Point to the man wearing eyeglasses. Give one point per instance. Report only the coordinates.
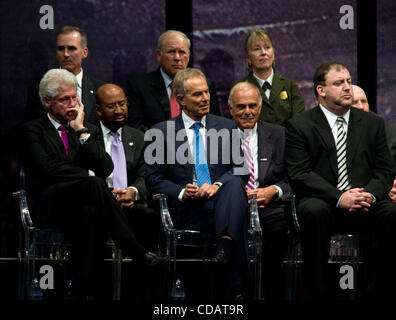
(57, 151)
(127, 178)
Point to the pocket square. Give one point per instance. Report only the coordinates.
(263, 159)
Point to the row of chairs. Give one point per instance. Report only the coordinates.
(39, 244)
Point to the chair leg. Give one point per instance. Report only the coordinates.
(116, 272)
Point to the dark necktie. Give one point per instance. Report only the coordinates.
(120, 181)
(201, 165)
(64, 138)
(266, 85)
(175, 107)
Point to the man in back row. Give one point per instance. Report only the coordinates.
(71, 50)
(150, 96)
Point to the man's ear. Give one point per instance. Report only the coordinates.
(98, 110)
(85, 52)
(46, 102)
(180, 99)
(158, 55)
(321, 91)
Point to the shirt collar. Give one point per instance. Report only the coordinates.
(166, 78)
(55, 123)
(107, 131)
(332, 118)
(252, 131)
(79, 78)
(269, 79)
(188, 122)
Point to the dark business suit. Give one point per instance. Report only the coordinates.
(35, 109)
(272, 171)
(226, 212)
(148, 100)
(62, 195)
(279, 108)
(144, 221)
(312, 168)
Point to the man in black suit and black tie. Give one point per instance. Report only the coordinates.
(127, 179)
(339, 166)
(57, 151)
(71, 50)
(264, 149)
(150, 96)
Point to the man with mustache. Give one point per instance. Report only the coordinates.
(71, 50)
(150, 96)
(127, 178)
(339, 166)
(264, 149)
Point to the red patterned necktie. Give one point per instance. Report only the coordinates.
(175, 107)
(64, 138)
(249, 162)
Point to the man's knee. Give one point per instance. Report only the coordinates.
(313, 210)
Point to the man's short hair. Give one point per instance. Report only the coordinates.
(70, 29)
(319, 77)
(240, 85)
(162, 37)
(181, 77)
(52, 80)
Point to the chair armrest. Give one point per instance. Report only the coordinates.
(291, 198)
(166, 219)
(254, 221)
(27, 222)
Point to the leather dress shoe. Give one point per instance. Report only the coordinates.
(152, 259)
(221, 257)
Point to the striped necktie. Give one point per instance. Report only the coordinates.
(343, 181)
(249, 161)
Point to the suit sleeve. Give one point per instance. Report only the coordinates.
(39, 158)
(305, 181)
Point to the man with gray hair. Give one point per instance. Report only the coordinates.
(150, 96)
(57, 150)
(264, 149)
(202, 194)
(71, 50)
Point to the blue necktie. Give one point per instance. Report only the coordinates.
(201, 166)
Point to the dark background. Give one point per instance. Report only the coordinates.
(122, 37)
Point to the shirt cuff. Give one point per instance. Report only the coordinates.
(180, 197)
(137, 196)
(280, 191)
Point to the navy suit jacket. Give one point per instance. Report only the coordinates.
(171, 178)
(148, 100)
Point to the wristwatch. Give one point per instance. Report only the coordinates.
(81, 131)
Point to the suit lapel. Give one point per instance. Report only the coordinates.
(264, 148)
(56, 141)
(275, 89)
(179, 125)
(88, 98)
(354, 134)
(324, 131)
(160, 93)
(254, 81)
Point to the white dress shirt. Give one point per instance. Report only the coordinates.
(108, 140)
(253, 145)
(79, 84)
(269, 80)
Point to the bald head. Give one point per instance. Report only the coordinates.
(111, 106)
(360, 99)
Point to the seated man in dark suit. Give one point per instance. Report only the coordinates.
(150, 96)
(71, 50)
(57, 150)
(339, 166)
(360, 101)
(127, 178)
(264, 149)
(205, 193)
